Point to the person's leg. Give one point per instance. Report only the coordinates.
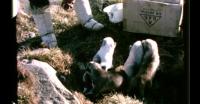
(42, 19)
(44, 24)
(85, 16)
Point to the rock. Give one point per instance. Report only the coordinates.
(47, 87)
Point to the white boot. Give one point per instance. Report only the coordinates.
(43, 22)
(84, 13)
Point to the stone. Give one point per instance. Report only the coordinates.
(47, 87)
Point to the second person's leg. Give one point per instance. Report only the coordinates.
(85, 16)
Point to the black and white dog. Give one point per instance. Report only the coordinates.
(139, 69)
(101, 62)
(101, 80)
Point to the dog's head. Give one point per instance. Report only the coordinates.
(150, 48)
(108, 42)
(91, 78)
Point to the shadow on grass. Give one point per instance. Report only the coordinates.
(169, 84)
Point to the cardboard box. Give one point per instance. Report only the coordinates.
(168, 1)
(152, 17)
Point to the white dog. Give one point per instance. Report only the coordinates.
(142, 64)
(104, 56)
(142, 52)
(134, 59)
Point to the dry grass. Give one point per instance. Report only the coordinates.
(54, 57)
(78, 45)
(62, 20)
(117, 98)
(24, 25)
(26, 86)
(82, 98)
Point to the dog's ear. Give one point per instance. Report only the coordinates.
(115, 44)
(103, 43)
(89, 66)
(97, 59)
(130, 46)
(86, 76)
(94, 65)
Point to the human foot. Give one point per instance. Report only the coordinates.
(93, 24)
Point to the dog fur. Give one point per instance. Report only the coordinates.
(103, 81)
(104, 56)
(148, 67)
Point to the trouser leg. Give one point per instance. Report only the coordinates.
(85, 16)
(44, 25)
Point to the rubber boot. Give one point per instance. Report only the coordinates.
(85, 16)
(42, 19)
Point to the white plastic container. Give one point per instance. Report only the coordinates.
(114, 12)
